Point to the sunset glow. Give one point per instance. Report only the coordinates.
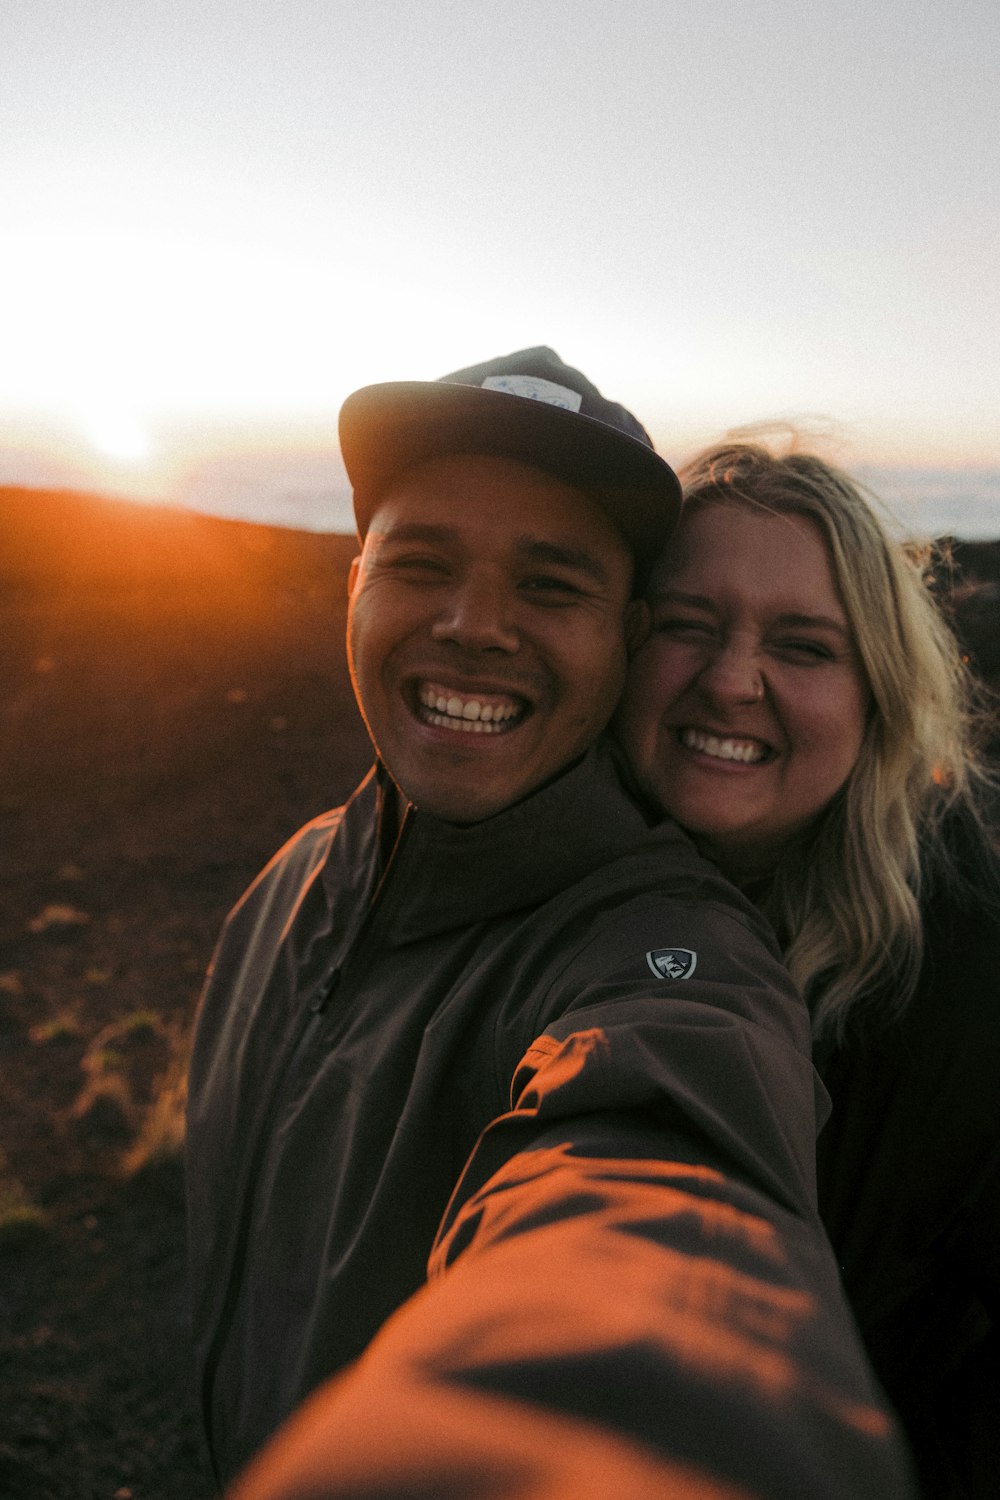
(118, 434)
(214, 231)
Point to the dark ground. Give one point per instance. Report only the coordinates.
(173, 704)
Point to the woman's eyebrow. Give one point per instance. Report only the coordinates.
(798, 621)
(678, 596)
(790, 619)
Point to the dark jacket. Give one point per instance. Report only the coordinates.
(909, 1179)
(570, 1015)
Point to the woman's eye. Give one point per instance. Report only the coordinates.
(682, 629)
(806, 650)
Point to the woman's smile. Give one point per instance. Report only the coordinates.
(745, 709)
(725, 747)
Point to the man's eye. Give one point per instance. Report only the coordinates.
(417, 565)
(549, 585)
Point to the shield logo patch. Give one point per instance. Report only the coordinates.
(672, 963)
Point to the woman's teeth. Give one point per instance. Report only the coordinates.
(746, 751)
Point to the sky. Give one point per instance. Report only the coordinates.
(219, 218)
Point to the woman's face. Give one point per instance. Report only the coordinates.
(745, 710)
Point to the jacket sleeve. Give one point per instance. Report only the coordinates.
(630, 1294)
(604, 1325)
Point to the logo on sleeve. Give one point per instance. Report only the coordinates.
(672, 963)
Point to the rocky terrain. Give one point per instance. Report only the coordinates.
(174, 703)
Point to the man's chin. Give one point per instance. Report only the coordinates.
(463, 812)
(466, 779)
(463, 797)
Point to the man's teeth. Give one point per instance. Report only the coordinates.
(747, 751)
(454, 711)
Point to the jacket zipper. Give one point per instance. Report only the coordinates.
(234, 1280)
(316, 1008)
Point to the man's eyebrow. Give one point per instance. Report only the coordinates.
(416, 531)
(791, 619)
(533, 548)
(558, 555)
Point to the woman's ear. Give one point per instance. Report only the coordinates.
(638, 622)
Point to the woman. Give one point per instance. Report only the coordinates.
(801, 707)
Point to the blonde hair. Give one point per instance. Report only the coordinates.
(845, 901)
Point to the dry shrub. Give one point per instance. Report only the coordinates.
(160, 1134)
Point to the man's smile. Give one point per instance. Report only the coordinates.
(468, 712)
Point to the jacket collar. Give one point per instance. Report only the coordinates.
(442, 876)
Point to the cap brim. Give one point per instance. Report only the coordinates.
(387, 428)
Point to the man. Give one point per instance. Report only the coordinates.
(488, 1016)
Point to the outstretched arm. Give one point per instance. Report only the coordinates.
(616, 1307)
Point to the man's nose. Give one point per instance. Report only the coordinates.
(478, 613)
(732, 675)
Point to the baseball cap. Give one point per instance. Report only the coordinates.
(529, 406)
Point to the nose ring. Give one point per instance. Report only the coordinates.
(758, 692)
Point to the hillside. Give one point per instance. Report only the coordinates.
(174, 702)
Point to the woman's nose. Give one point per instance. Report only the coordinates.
(733, 675)
(477, 614)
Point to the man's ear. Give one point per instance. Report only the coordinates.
(638, 623)
(352, 577)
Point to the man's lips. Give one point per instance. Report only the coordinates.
(467, 711)
(744, 751)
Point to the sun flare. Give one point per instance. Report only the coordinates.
(117, 434)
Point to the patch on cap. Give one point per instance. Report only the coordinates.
(534, 388)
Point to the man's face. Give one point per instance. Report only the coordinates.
(486, 631)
